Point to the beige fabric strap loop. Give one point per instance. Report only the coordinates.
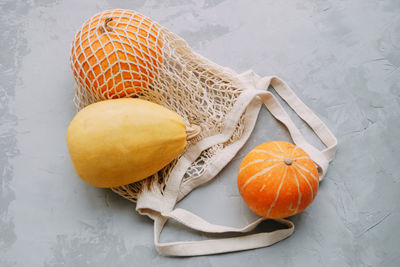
(196, 223)
(216, 246)
(250, 241)
(320, 129)
(279, 113)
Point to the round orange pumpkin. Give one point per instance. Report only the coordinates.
(277, 180)
(116, 53)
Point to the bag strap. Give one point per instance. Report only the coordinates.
(215, 246)
(320, 129)
(321, 158)
(250, 241)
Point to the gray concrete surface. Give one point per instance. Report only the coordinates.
(341, 57)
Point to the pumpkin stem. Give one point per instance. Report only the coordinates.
(288, 161)
(192, 131)
(106, 27)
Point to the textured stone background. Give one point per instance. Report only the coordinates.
(341, 57)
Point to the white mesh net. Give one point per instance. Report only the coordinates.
(121, 53)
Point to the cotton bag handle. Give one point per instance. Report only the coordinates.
(321, 158)
(251, 241)
(215, 246)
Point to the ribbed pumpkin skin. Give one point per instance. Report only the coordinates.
(118, 62)
(274, 189)
(121, 141)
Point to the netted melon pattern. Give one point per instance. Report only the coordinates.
(121, 53)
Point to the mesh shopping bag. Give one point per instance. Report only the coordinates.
(121, 53)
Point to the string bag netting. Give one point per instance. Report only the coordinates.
(122, 53)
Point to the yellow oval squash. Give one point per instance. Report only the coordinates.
(121, 141)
